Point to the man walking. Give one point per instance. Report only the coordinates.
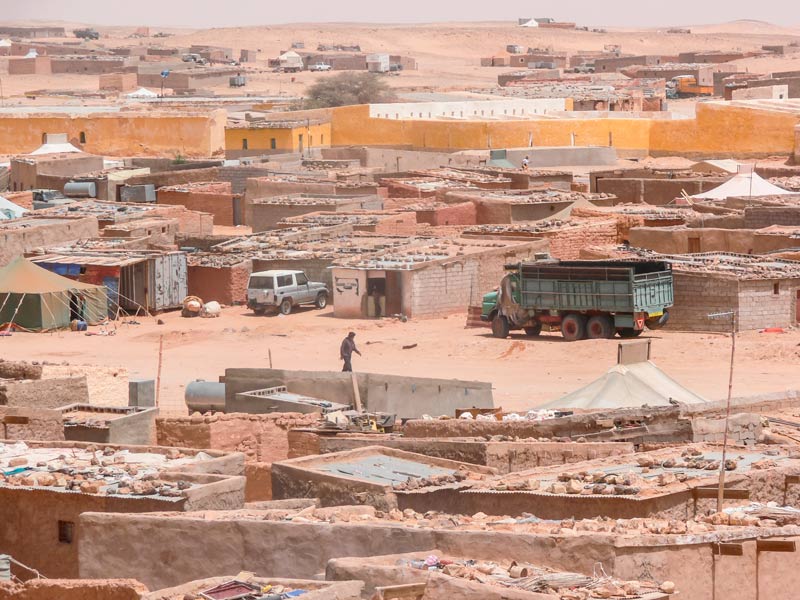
(346, 351)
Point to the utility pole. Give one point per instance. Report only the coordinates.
(732, 316)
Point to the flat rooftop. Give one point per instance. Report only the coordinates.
(104, 470)
(382, 469)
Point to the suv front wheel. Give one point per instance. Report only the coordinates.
(322, 300)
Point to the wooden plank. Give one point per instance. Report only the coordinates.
(792, 479)
(409, 591)
(727, 549)
(775, 546)
(728, 493)
(356, 392)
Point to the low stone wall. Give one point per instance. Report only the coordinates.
(73, 589)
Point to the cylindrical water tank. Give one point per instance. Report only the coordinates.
(80, 189)
(205, 396)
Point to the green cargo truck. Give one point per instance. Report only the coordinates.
(585, 299)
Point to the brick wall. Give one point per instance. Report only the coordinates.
(404, 223)
(226, 285)
(568, 242)
(177, 177)
(118, 82)
(217, 201)
(758, 217)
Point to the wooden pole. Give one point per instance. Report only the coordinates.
(356, 392)
(727, 416)
(158, 376)
(269, 350)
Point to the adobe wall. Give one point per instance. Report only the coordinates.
(217, 201)
(107, 386)
(226, 284)
(45, 393)
(456, 214)
(675, 240)
(566, 243)
(18, 241)
(22, 423)
(137, 546)
(144, 133)
(73, 589)
(170, 177)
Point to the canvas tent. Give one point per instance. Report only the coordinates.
(742, 185)
(34, 299)
(633, 382)
(142, 93)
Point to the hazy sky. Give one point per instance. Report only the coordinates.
(221, 13)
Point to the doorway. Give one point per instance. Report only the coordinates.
(77, 307)
(376, 297)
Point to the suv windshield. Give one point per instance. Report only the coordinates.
(262, 283)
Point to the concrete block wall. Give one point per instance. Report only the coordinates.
(697, 295)
(767, 303)
(758, 217)
(443, 289)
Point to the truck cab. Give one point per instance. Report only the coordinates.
(281, 290)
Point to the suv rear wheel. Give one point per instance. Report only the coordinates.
(322, 300)
(286, 306)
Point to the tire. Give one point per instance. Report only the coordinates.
(286, 306)
(630, 332)
(573, 327)
(321, 301)
(500, 328)
(600, 327)
(533, 330)
(260, 310)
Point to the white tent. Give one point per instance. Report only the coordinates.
(55, 148)
(32, 53)
(5, 43)
(743, 185)
(531, 23)
(628, 386)
(9, 210)
(142, 93)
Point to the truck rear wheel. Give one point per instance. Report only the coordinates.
(500, 328)
(630, 332)
(533, 330)
(573, 327)
(600, 327)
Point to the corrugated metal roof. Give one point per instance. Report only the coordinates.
(99, 260)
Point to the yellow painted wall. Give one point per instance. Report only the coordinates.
(121, 134)
(287, 140)
(718, 130)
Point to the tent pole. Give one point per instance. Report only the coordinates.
(14, 316)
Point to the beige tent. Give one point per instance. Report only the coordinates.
(35, 299)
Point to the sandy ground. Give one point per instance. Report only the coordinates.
(448, 53)
(524, 371)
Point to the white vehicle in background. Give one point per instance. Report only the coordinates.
(282, 290)
(320, 67)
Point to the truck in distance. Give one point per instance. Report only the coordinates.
(282, 290)
(585, 299)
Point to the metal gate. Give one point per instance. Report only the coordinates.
(168, 280)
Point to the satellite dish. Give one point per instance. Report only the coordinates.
(165, 73)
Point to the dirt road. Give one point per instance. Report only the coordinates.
(525, 372)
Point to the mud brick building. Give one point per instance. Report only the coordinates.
(41, 505)
(214, 198)
(219, 277)
(263, 214)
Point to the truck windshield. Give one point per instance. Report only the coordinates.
(262, 283)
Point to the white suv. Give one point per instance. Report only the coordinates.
(282, 290)
(320, 67)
